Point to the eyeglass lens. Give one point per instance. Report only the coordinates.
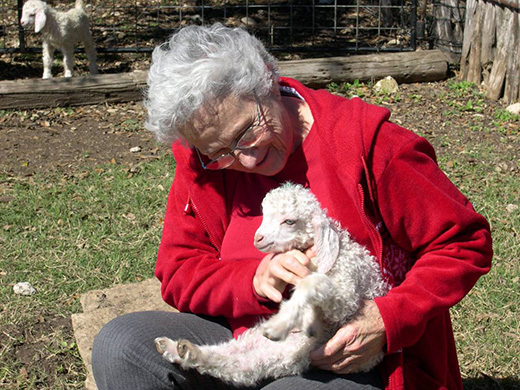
(248, 140)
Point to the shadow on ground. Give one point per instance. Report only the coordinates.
(485, 382)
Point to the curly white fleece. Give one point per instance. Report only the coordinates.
(320, 304)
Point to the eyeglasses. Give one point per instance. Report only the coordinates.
(249, 139)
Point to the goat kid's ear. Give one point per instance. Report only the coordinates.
(326, 239)
(39, 20)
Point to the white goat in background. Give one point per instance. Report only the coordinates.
(60, 30)
(345, 274)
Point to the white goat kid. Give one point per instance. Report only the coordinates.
(344, 274)
(60, 30)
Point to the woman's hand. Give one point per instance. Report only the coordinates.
(274, 273)
(354, 343)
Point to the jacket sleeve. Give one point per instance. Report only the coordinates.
(194, 278)
(427, 215)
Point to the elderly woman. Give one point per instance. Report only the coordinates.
(239, 130)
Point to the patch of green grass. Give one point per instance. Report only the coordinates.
(506, 122)
(487, 321)
(461, 88)
(65, 111)
(506, 116)
(67, 235)
(416, 98)
(349, 89)
(131, 125)
(81, 232)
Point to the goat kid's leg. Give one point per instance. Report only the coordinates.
(68, 60)
(168, 349)
(244, 361)
(302, 310)
(90, 50)
(182, 352)
(48, 54)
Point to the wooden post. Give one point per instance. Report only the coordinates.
(490, 52)
(448, 26)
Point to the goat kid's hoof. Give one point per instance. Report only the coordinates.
(186, 350)
(167, 348)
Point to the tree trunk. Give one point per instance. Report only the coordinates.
(490, 52)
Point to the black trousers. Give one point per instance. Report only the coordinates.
(124, 357)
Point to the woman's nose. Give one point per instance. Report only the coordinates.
(247, 157)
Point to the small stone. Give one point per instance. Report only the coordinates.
(387, 85)
(135, 149)
(24, 288)
(511, 208)
(514, 108)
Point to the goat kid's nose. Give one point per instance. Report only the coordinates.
(258, 238)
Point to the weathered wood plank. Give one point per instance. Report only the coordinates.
(513, 66)
(448, 26)
(488, 40)
(113, 88)
(496, 78)
(471, 9)
(474, 74)
(404, 67)
(110, 88)
(490, 50)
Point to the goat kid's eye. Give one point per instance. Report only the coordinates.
(289, 222)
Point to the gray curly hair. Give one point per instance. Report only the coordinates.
(198, 65)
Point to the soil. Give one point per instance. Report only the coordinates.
(40, 347)
(65, 140)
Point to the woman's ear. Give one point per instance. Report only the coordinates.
(39, 20)
(327, 241)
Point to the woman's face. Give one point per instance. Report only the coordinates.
(215, 131)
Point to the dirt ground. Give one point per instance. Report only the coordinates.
(65, 140)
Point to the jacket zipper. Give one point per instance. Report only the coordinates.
(380, 258)
(373, 227)
(204, 224)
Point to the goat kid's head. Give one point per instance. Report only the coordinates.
(34, 12)
(294, 219)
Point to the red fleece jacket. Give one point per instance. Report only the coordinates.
(384, 180)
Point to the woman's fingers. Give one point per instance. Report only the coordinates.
(354, 344)
(274, 273)
(290, 267)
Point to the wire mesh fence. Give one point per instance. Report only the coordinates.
(283, 25)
